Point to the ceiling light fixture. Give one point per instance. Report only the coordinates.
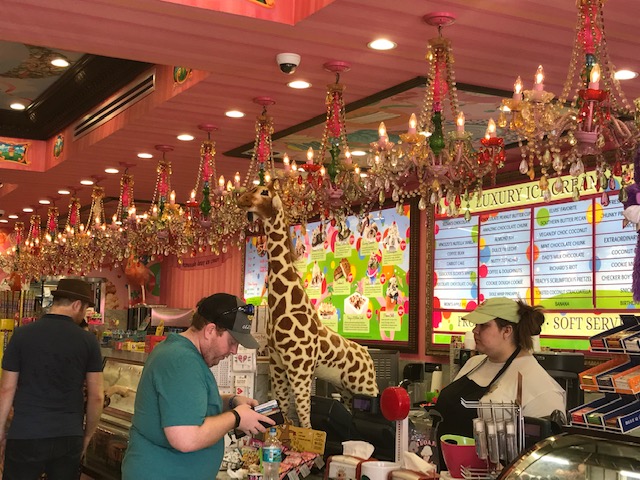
(17, 106)
(185, 137)
(86, 182)
(234, 114)
(44, 202)
(358, 153)
(382, 44)
(111, 170)
(59, 62)
(27, 210)
(64, 192)
(145, 155)
(299, 84)
(13, 216)
(625, 75)
(4, 220)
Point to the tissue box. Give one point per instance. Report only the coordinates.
(344, 467)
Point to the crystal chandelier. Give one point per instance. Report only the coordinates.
(261, 166)
(214, 221)
(320, 186)
(599, 122)
(428, 163)
(163, 230)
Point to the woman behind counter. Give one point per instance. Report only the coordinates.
(502, 332)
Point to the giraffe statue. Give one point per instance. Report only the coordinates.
(300, 346)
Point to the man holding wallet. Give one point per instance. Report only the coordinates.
(180, 418)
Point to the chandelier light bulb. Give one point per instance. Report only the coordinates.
(294, 166)
(594, 77)
(491, 129)
(193, 195)
(517, 89)
(539, 79)
(172, 197)
(236, 179)
(221, 182)
(382, 130)
(413, 123)
(229, 186)
(286, 162)
(322, 171)
(310, 156)
(460, 123)
(267, 178)
(347, 156)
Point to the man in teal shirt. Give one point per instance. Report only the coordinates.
(180, 418)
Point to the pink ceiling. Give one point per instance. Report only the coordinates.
(233, 57)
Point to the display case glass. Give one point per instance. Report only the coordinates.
(121, 378)
(105, 452)
(589, 456)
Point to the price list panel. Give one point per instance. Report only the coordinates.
(504, 254)
(563, 254)
(456, 262)
(615, 247)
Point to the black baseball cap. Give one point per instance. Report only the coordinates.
(230, 312)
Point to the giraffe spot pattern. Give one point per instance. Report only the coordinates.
(298, 341)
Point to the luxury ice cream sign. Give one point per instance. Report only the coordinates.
(530, 193)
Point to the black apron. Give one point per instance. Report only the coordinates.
(457, 419)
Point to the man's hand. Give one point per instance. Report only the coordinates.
(242, 400)
(250, 419)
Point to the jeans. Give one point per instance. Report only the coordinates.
(58, 457)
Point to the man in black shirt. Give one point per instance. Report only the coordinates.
(43, 371)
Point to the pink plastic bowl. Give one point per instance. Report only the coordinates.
(459, 452)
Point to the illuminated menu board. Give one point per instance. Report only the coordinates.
(573, 258)
(355, 272)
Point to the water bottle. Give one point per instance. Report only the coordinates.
(271, 456)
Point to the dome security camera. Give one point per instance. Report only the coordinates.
(288, 62)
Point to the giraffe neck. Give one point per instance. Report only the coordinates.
(279, 244)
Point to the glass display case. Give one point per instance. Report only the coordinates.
(107, 447)
(579, 456)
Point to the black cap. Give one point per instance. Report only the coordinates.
(228, 311)
(75, 289)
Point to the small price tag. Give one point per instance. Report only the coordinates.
(319, 461)
(304, 470)
(293, 475)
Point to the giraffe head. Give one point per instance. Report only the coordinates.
(262, 201)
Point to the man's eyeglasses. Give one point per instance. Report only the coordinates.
(248, 309)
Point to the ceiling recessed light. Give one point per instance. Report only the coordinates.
(27, 210)
(234, 114)
(145, 155)
(299, 84)
(4, 220)
(358, 153)
(185, 137)
(382, 44)
(44, 202)
(64, 192)
(17, 106)
(59, 62)
(86, 182)
(111, 170)
(625, 75)
(13, 216)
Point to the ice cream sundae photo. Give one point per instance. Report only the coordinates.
(316, 275)
(373, 266)
(356, 303)
(392, 240)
